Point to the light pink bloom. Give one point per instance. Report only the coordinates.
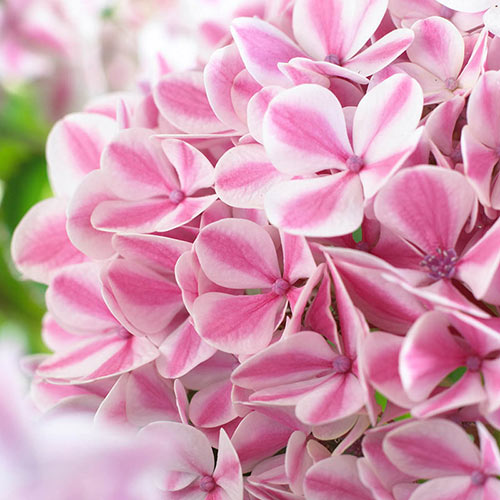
(441, 451)
(188, 469)
(305, 134)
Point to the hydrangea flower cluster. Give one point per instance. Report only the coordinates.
(290, 254)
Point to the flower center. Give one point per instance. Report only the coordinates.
(473, 363)
(456, 154)
(341, 364)
(354, 163)
(441, 264)
(122, 332)
(478, 478)
(451, 84)
(176, 196)
(332, 58)
(207, 484)
(280, 286)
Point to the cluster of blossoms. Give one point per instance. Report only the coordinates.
(289, 253)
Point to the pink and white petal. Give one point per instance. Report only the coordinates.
(390, 110)
(243, 176)
(468, 391)
(382, 302)
(298, 260)
(483, 117)
(256, 109)
(262, 46)
(491, 19)
(349, 94)
(433, 210)
(335, 478)
(428, 354)
(490, 455)
(54, 336)
(381, 53)
(98, 357)
(181, 351)
(304, 131)
(186, 276)
(143, 298)
(212, 406)
(432, 448)
(219, 74)
(438, 47)
(135, 166)
(298, 75)
(84, 236)
(479, 267)
(371, 481)
(182, 100)
(241, 324)
(258, 437)
(74, 148)
(380, 360)
(324, 69)
(74, 299)
(302, 356)
(244, 88)
(331, 205)
(158, 253)
(475, 65)
(193, 168)
(40, 244)
(297, 461)
(190, 492)
(491, 489)
(237, 253)
(228, 473)
(188, 448)
(490, 370)
(466, 5)
(448, 488)
(149, 397)
(337, 398)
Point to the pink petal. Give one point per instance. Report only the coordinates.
(135, 166)
(433, 211)
(432, 448)
(466, 5)
(74, 148)
(298, 260)
(490, 455)
(212, 406)
(188, 448)
(141, 297)
(480, 267)
(256, 109)
(81, 232)
(438, 47)
(428, 354)
(257, 437)
(381, 53)
(40, 244)
(475, 65)
(181, 351)
(244, 88)
(337, 398)
(447, 488)
(243, 176)
(74, 299)
(335, 478)
(228, 473)
(333, 27)
(304, 131)
(299, 357)
(330, 205)
(386, 118)
(483, 117)
(237, 253)
(98, 357)
(182, 99)
(219, 75)
(297, 461)
(262, 47)
(240, 324)
(193, 169)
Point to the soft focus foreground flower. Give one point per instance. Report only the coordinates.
(277, 258)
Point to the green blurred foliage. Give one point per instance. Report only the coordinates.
(23, 182)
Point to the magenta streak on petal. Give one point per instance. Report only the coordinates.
(207, 484)
(280, 287)
(441, 264)
(83, 148)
